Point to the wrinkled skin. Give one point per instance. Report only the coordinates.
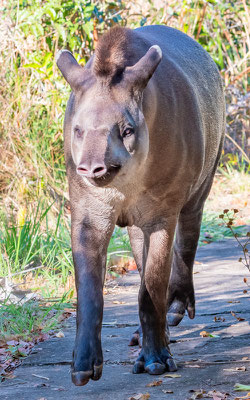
(141, 151)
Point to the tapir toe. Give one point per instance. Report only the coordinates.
(81, 378)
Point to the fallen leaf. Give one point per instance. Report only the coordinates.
(217, 395)
(207, 334)
(217, 319)
(132, 266)
(60, 334)
(140, 396)
(247, 397)
(172, 375)
(154, 383)
(198, 394)
(238, 387)
(238, 318)
(233, 301)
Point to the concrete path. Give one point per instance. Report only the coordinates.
(204, 362)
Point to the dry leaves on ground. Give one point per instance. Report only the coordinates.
(11, 353)
(140, 396)
(243, 369)
(198, 394)
(238, 387)
(207, 334)
(238, 318)
(154, 383)
(60, 334)
(212, 394)
(219, 319)
(169, 375)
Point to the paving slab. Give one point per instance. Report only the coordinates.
(208, 363)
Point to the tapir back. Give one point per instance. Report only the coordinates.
(189, 120)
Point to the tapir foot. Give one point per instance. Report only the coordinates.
(155, 364)
(81, 378)
(177, 310)
(85, 368)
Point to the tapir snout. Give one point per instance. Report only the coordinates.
(95, 154)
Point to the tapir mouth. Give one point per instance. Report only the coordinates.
(107, 178)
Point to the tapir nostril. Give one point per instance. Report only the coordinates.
(82, 171)
(98, 170)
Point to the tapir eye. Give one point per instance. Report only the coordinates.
(128, 132)
(78, 132)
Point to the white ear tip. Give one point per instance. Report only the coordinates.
(59, 53)
(158, 49)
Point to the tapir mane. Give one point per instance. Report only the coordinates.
(114, 52)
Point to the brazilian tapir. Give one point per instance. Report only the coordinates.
(143, 133)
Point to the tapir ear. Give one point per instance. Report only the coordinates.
(139, 74)
(71, 70)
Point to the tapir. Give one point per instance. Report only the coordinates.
(143, 133)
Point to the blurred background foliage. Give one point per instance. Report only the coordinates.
(34, 214)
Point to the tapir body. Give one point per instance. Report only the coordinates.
(143, 132)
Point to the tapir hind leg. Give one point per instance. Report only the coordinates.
(181, 290)
(181, 295)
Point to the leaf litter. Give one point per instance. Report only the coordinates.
(212, 394)
(140, 396)
(170, 375)
(13, 348)
(154, 383)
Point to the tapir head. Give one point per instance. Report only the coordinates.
(109, 136)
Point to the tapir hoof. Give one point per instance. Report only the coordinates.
(81, 378)
(155, 365)
(176, 312)
(155, 368)
(174, 318)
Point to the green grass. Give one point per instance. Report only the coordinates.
(41, 246)
(213, 229)
(29, 320)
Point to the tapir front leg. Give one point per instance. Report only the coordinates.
(90, 238)
(155, 356)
